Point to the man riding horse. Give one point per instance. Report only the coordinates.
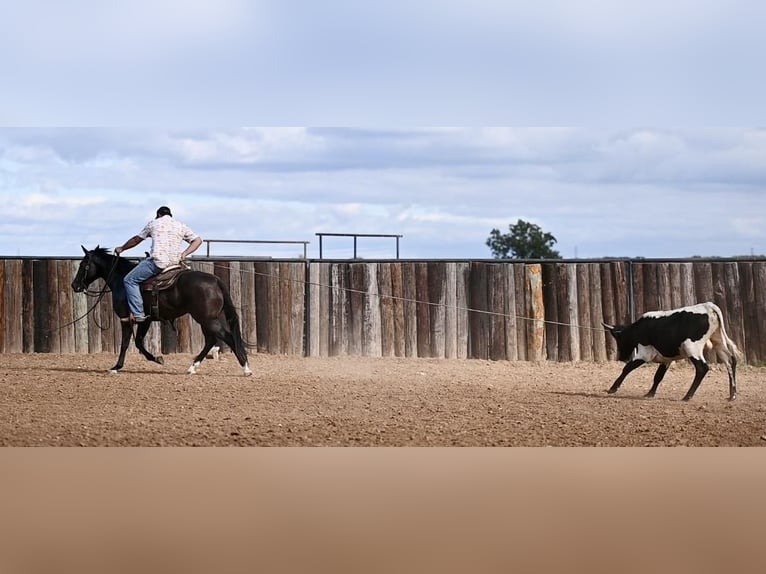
(166, 234)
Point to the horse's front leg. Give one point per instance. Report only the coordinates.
(141, 331)
(127, 332)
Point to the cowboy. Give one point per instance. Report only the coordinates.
(166, 234)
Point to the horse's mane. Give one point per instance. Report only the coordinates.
(104, 254)
(101, 251)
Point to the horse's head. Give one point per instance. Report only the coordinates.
(91, 268)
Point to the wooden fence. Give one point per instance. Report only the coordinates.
(453, 309)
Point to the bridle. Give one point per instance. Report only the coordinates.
(98, 294)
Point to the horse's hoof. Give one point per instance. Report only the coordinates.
(113, 371)
(159, 360)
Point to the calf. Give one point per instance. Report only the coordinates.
(667, 336)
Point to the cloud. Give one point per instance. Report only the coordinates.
(662, 192)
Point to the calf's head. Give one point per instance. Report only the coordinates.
(625, 341)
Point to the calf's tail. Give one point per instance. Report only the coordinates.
(731, 347)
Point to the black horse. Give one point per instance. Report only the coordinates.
(201, 294)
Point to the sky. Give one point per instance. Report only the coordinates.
(625, 129)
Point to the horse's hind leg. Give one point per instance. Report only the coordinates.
(141, 331)
(220, 330)
(210, 340)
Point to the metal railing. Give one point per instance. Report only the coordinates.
(304, 243)
(355, 235)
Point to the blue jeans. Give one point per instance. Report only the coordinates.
(140, 273)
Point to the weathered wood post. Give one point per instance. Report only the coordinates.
(536, 347)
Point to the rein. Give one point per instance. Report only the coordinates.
(100, 294)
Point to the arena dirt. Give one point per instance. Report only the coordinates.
(71, 400)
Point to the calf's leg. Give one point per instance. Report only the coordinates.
(661, 370)
(700, 370)
(631, 366)
(732, 378)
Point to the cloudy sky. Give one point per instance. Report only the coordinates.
(634, 128)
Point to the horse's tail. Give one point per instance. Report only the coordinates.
(232, 318)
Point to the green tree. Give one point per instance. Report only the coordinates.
(524, 241)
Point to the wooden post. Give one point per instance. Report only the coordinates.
(496, 303)
(521, 312)
(620, 287)
(562, 300)
(437, 276)
(397, 290)
(339, 310)
(759, 282)
(550, 291)
(573, 306)
(14, 340)
(284, 288)
(749, 317)
(4, 318)
(597, 314)
(40, 307)
(423, 310)
(584, 312)
(248, 319)
(65, 307)
(478, 319)
(536, 348)
(235, 286)
(664, 287)
(703, 282)
(509, 308)
(676, 291)
(686, 271)
(314, 315)
(14, 320)
(356, 319)
(651, 293)
(450, 316)
(608, 306)
(298, 309)
(52, 307)
(324, 310)
(409, 283)
(371, 322)
(262, 305)
(80, 308)
(463, 279)
(387, 329)
(734, 312)
(639, 307)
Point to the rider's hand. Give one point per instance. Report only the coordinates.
(118, 250)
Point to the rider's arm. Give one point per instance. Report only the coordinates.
(193, 246)
(129, 244)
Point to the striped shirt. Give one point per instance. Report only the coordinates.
(167, 234)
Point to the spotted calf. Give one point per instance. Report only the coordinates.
(667, 336)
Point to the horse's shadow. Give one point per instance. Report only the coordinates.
(606, 396)
(98, 371)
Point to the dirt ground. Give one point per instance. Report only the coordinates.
(71, 400)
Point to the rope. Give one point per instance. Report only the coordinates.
(100, 295)
(429, 303)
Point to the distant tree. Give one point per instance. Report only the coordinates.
(524, 241)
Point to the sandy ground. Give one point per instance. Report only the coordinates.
(71, 400)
